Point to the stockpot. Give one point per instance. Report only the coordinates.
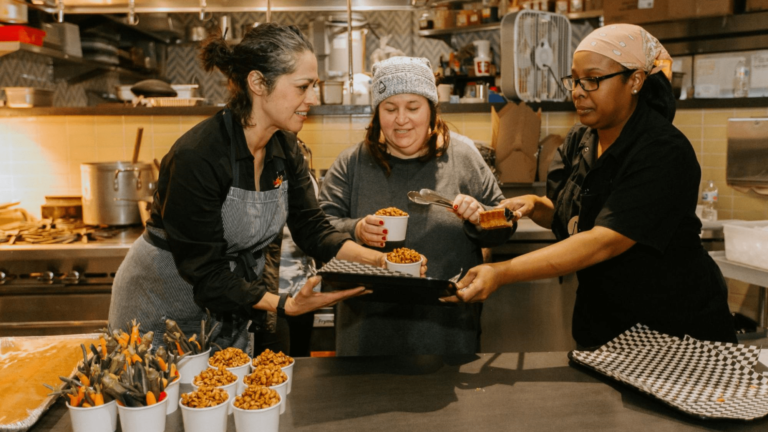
(112, 189)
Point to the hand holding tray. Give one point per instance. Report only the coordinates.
(387, 286)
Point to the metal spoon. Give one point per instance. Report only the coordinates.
(415, 197)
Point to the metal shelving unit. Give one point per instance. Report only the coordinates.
(70, 68)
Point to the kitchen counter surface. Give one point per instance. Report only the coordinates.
(487, 392)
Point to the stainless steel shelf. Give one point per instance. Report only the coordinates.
(71, 68)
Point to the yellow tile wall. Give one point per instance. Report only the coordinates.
(42, 155)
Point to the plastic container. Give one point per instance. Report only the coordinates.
(211, 419)
(396, 227)
(741, 80)
(191, 365)
(746, 242)
(262, 420)
(143, 419)
(332, 92)
(101, 418)
(709, 200)
(23, 34)
(28, 97)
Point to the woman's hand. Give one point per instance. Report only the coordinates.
(477, 285)
(467, 208)
(521, 206)
(306, 300)
(370, 231)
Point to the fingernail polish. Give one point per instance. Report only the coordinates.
(381, 223)
(384, 238)
(385, 231)
(455, 207)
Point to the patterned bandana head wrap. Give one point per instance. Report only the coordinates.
(629, 45)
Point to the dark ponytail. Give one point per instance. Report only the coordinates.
(657, 94)
(270, 49)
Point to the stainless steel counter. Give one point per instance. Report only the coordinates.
(487, 392)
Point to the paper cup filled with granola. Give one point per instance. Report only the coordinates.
(205, 410)
(257, 410)
(233, 360)
(395, 222)
(405, 260)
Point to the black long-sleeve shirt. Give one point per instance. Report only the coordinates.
(195, 177)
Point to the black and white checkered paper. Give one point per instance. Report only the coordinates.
(349, 267)
(711, 380)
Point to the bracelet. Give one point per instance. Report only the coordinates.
(281, 305)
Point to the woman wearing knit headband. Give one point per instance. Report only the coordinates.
(409, 147)
(621, 200)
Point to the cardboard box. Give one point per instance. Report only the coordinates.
(547, 148)
(515, 137)
(636, 11)
(683, 9)
(756, 5)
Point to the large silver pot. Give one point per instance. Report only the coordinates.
(112, 189)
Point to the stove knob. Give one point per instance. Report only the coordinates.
(71, 277)
(46, 276)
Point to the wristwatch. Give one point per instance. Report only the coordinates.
(281, 305)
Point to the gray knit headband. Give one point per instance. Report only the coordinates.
(398, 75)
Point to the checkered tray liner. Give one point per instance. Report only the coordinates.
(349, 267)
(712, 380)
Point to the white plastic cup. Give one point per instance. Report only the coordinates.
(261, 420)
(240, 372)
(102, 418)
(211, 419)
(172, 394)
(191, 365)
(281, 389)
(413, 269)
(289, 371)
(231, 390)
(143, 419)
(396, 227)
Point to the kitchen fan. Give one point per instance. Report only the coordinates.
(536, 53)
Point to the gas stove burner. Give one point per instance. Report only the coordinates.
(60, 231)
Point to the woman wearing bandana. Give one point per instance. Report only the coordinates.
(621, 199)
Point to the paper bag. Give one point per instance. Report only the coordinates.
(547, 148)
(515, 137)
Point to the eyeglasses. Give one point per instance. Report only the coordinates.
(590, 84)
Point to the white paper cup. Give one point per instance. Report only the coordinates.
(396, 227)
(262, 420)
(102, 418)
(172, 394)
(444, 92)
(289, 371)
(143, 419)
(240, 372)
(281, 389)
(191, 365)
(211, 419)
(413, 269)
(231, 390)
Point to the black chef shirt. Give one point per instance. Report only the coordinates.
(645, 187)
(195, 177)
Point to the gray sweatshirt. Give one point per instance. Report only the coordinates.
(355, 186)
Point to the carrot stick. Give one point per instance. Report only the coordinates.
(151, 400)
(98, 399)
(83, 379)
(134, 334)
(162, 364)
(178, 347)
(103, 347)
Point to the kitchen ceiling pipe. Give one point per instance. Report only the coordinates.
(193, 6)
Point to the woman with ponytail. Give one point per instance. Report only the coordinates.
(226, 189)
(621, 200)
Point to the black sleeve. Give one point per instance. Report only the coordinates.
(649, 196)
(191, 216)
(310, 228)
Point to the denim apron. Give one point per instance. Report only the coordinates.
(148, 286)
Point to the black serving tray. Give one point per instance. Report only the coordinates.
(386, 285)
